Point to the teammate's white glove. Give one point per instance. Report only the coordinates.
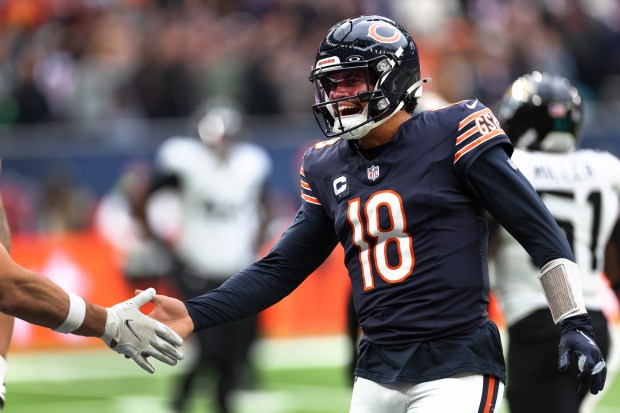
(129, 332)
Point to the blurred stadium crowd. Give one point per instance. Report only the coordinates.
(64, 61)
(81, 59)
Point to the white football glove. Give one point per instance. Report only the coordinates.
(129, 332)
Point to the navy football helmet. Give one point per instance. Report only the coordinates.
(542, 111)
(389, 59)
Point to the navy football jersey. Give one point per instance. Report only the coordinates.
(411, 219)
(415, 242)
(415, 238)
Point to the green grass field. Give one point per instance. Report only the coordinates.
(294, 377)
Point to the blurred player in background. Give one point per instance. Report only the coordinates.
(120, 218)
(542, 113)
(220, 184)
(6, 321)
(407, 198)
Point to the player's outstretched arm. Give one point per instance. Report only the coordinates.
(34, 298)
(173, 313)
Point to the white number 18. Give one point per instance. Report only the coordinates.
(396, 233)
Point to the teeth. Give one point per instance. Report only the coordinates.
(342, 109)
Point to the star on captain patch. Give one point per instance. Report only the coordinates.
(372, 172)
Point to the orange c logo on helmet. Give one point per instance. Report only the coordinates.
(373, 32)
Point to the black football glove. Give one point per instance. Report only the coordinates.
(578, 339)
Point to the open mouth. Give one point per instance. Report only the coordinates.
(347, 109)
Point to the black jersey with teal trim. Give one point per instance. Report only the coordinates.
(414, 235)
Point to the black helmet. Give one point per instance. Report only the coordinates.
(387, 55)
(542, 111)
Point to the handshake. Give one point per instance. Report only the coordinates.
(137, 336)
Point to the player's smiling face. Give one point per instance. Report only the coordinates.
(344, 83)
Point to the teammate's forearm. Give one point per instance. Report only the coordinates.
(37, 300)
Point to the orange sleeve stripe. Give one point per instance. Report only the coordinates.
(489, 403)
(305, 185)
(310, 199)
(467, 134)
(473, 116)
(301, 171)
(476, 143)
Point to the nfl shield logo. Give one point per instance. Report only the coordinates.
(373, 172)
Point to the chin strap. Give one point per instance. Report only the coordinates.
(360, 132)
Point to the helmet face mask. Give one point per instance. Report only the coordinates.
(388, 58)
(541, 111)
(336, 112)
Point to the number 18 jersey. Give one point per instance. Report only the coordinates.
(414, 236)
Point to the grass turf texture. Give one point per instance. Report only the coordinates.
(104, 382)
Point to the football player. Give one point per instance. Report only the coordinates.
(220, 183)
(407, 196)
(542, 113)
